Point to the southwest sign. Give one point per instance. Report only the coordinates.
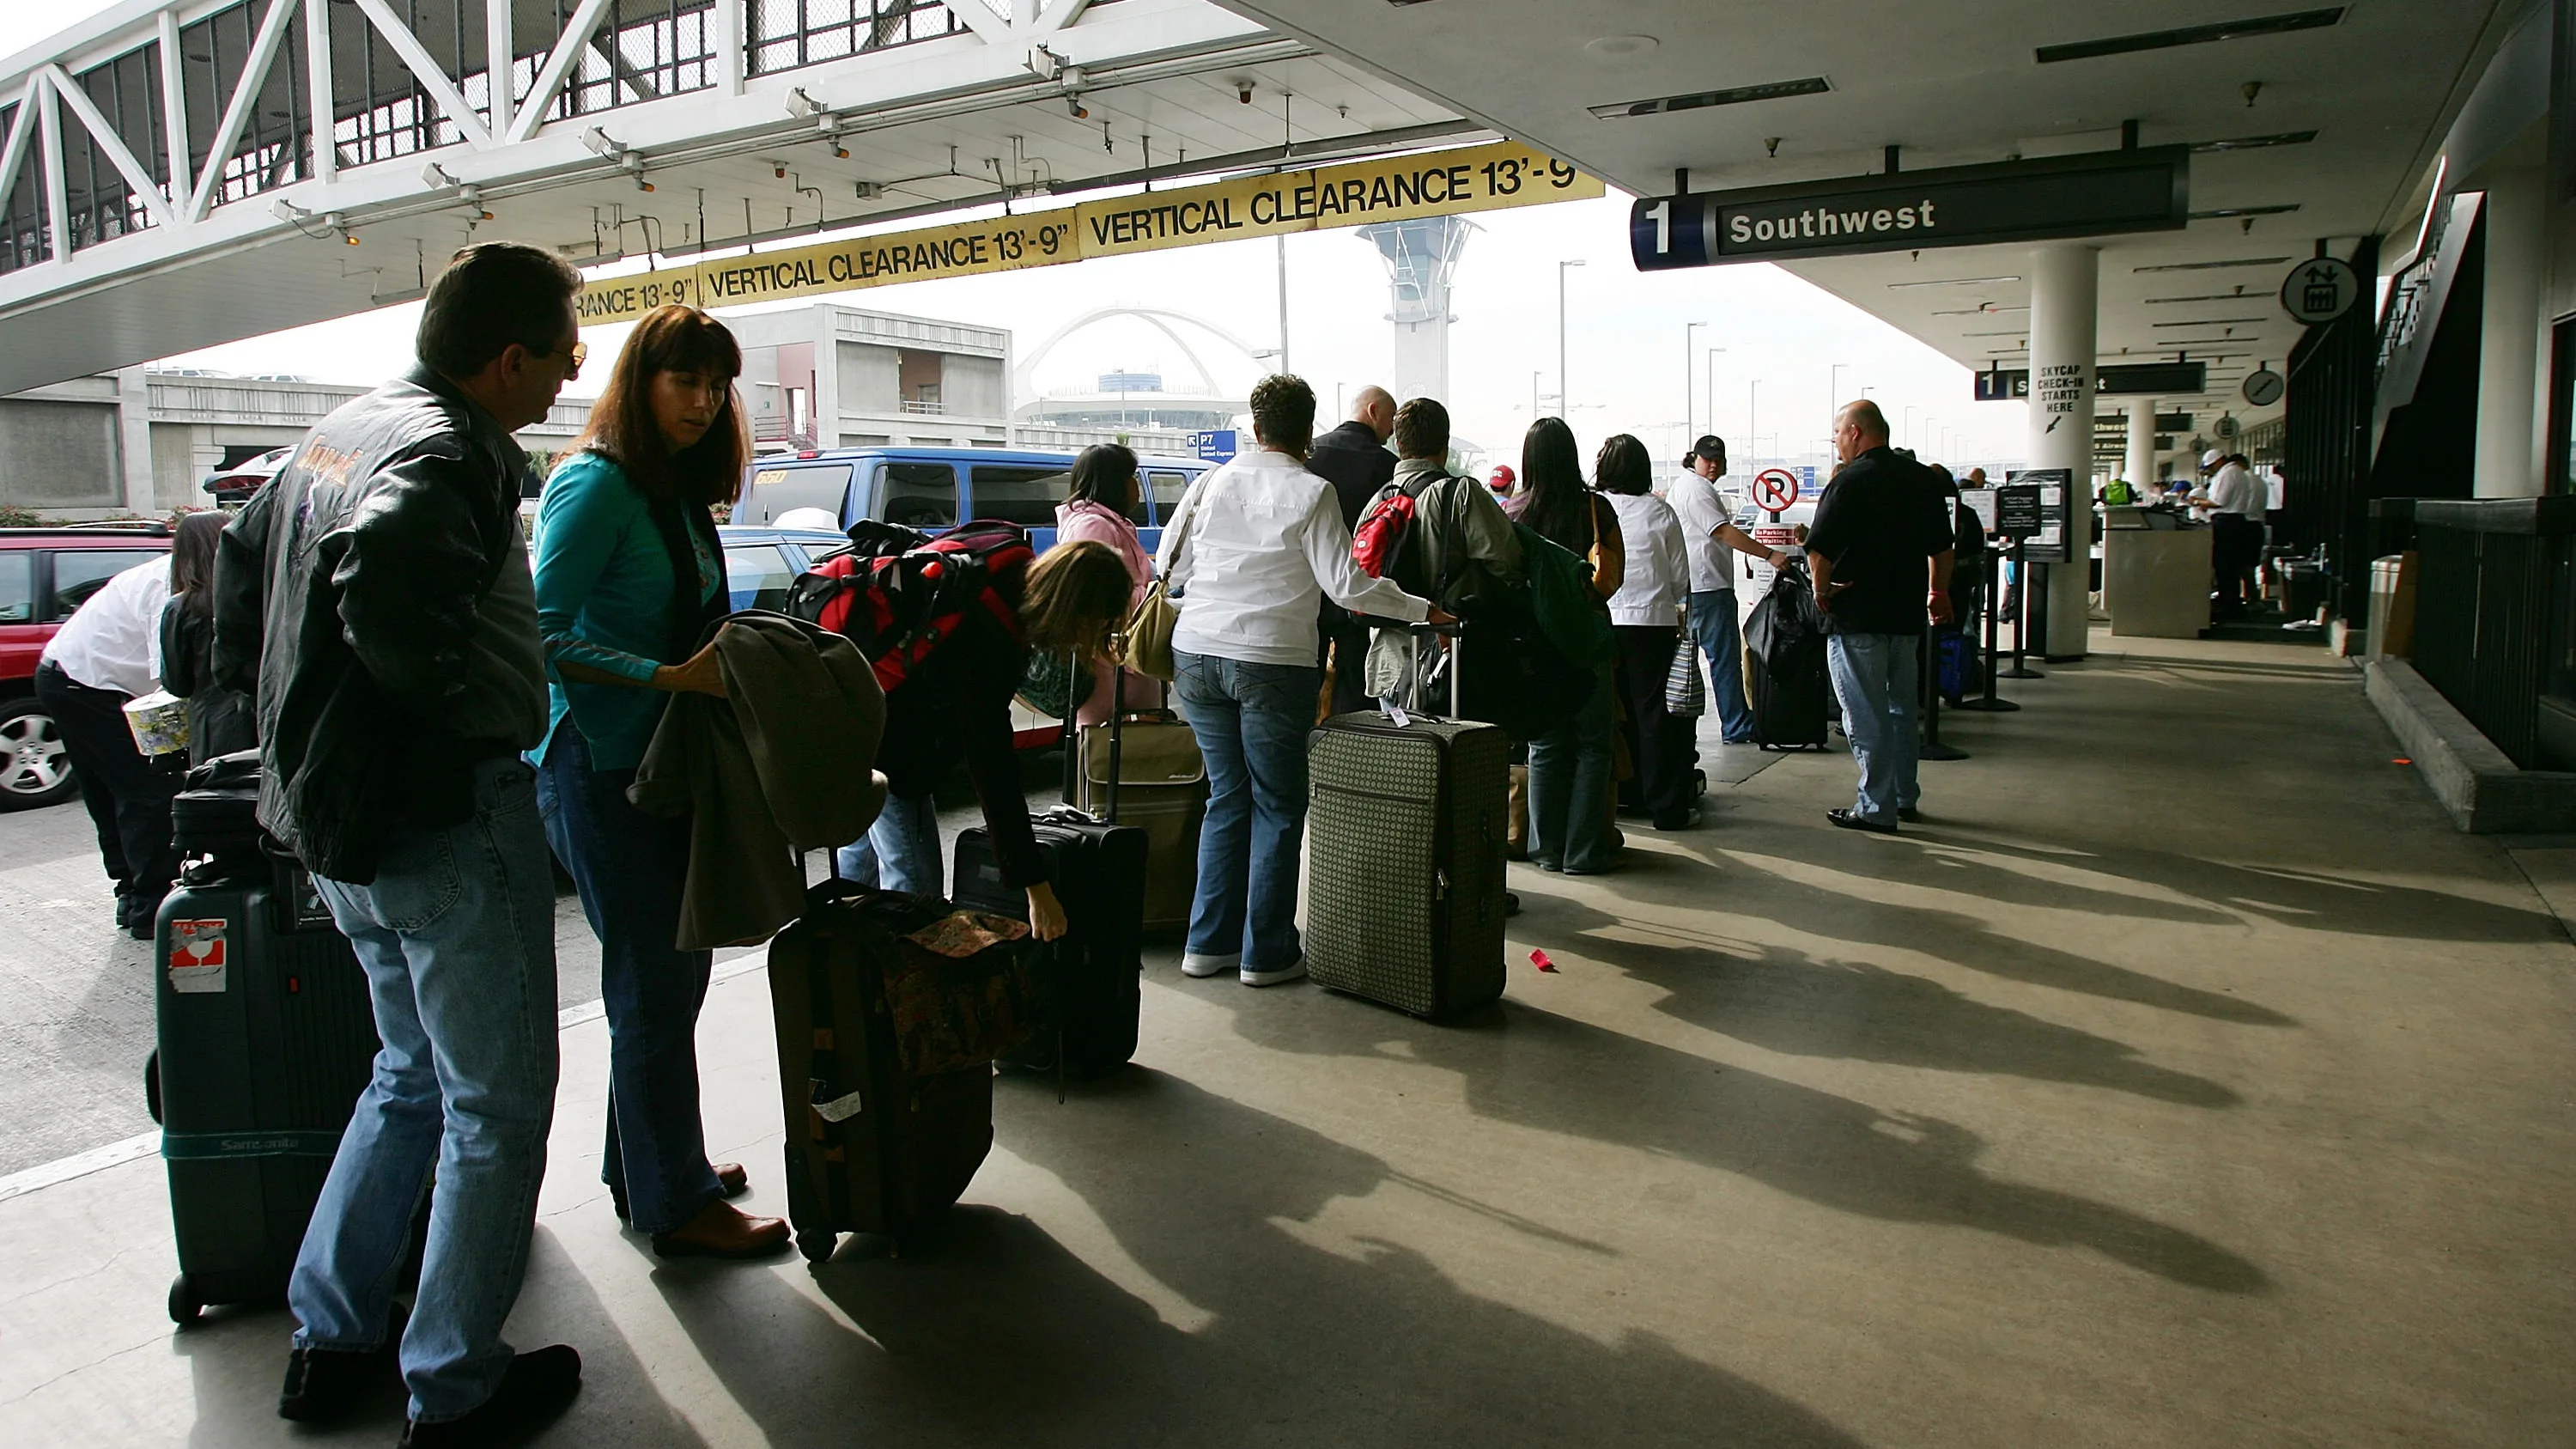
(1396, 188)
(2125, 379)
(2094, 194)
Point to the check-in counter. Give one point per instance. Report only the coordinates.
(2155, 574)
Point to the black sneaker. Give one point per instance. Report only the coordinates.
(1909, 814)
(538, 1385)
(1854, 820)
(323, 1384)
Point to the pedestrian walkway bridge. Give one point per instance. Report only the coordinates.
(2185, 1081)
(180, 173)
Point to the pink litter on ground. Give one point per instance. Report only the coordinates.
(1539, 960)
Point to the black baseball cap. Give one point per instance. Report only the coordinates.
(1710, 446)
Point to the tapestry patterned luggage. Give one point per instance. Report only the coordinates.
(266, 1034)
(1089, 981)
(891, 1011)
(1405, 839)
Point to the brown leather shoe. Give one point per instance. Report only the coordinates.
(731, 1179)
(721, 1230)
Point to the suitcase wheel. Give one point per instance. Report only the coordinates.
(184, 1303)
(817, 1246)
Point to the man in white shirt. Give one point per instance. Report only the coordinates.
(106, 653)
(1256, 547)
(2235, 503)
(1709, 538)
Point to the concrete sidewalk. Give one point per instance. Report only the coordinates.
(2216, 1102)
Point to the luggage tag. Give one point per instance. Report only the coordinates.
(1395, 712)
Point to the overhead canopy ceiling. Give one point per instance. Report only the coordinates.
(2352, 100)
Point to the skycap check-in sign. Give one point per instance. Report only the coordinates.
(1391, 188)
(2097, 193)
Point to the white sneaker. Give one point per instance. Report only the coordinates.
(1193, 964)
(1289, 972)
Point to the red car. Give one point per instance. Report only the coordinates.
(45, 573)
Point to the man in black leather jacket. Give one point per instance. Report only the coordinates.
(375, 595)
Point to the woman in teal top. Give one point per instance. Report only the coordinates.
(629, 578)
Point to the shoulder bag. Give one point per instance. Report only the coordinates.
(1148, 636)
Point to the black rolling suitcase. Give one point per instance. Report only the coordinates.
(1088, 983)
(1405, 859)
(1786, 684)
(267, 1035)
(885, 1061)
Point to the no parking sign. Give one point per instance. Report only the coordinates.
(1774, 489)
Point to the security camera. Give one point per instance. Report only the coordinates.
(778, 169)
(1243, 92)
(1073, 107)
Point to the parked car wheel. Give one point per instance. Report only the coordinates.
(35, 769)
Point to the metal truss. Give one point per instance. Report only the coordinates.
(149, 134)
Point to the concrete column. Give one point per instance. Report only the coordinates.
(134, 439)
(2065, 281)
(2141, 467)
(2511, 339)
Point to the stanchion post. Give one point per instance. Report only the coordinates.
(2021, 621)
(1990, 702)
(1929, 677)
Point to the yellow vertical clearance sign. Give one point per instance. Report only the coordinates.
(1396, 188)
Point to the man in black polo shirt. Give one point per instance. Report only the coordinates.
(1880, 521)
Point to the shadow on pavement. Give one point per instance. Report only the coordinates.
(1006, 1337)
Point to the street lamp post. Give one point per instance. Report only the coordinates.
(1752, 398)
(1687, 329)
(1909, 425)
(1712, 388)
(1564, 393)
(1834, 387)
(1535, 374)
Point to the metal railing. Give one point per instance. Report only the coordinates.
(2493, 602)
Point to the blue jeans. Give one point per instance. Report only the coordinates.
(1879, 681)
(903, 845)
(1569, 788)
(456, 934)
(630, 868)
(1251, 721)
(1720, 632)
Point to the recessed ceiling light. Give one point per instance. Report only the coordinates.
(2191, 35)
(1814, 85)
(1951, 282)
(2245, 211)
(2213, 266)
(2249, 143)
(2236, 296)
(2210, 322)
(2008, 332)
(1620, 47)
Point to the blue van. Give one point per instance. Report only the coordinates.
(932, 488)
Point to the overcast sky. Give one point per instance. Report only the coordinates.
(1624, 333)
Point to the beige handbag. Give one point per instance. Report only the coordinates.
(1149, 633)
(1148, 648)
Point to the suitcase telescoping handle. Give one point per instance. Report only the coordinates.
(1450, 632)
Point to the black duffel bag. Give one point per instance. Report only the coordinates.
(215, 815)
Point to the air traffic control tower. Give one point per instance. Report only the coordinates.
(1421, 257)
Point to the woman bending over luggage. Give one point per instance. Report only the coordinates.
(1101, 507)
(1646, 613)
(629, 576)
(1571, 766)
(955, 706)
(219, 719)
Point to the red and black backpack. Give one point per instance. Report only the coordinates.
(899, 593)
